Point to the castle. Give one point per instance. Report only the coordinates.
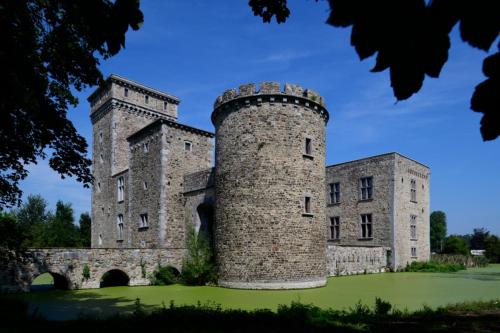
(276, 216)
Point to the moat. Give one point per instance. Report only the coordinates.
(403, 290)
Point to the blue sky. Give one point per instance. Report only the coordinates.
(196, 49)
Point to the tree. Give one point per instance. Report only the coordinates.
(85, 229)
(437, 230)
(198, 267)
(478, 239)
(12, 234)
(31, 218)
(455, 244)
(492, 247)
(60, 230)
(47, 48)
(411, 39)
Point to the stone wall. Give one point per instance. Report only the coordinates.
(347, 260)
(68, 265)
(406, 171)
(264, 238)
(351, 205)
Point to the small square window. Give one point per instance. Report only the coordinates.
(188, 146)
(125, 92)
(307, 205)
(308, 146)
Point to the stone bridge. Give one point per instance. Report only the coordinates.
(128, 266)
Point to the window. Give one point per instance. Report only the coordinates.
(366, 188)
(125, 92)
(121, 188)
(187, 146)
(119, 223)
(334, 193)
(100, 240)
(413, 226)
(145, 185)
(413, 251)
(165, 105)
(413, 191)
(334, 228)
(144, 221)
(307, 205)
(100, 137)
(146, 99)
(145, 147)
(101, 158)
(366, 226)
(98, 187)
(308, 146)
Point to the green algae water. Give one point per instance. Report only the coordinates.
(403, 290)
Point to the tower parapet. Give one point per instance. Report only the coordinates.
(269, 187)
(271, 92)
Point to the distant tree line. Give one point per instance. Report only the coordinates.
(33, 225)
(479, 239)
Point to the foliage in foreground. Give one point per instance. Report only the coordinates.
(296, 317)
(431, 266)
(198, 267)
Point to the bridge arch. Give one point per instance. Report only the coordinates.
(59, 281)
(113, 278)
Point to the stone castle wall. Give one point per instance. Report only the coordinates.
(406, 171)
(264, 238)
(348, 260)
(68, 265)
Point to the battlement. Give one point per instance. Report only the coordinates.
(272, 92)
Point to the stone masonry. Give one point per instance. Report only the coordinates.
(275, 216)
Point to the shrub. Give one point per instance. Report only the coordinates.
(86, 272)
(456, 245)
(198, 267)
(382, 307)
(430, 266)
(466, 260)
(164, 275)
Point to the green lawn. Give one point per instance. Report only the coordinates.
(403, 290)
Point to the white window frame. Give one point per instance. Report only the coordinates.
(334, 228)
(143, 221)
(366, 226)
(335, 193)
(413, 227)
(119, 225)
(188, 145)
(366, 188)
(413, 190)
(121, 188)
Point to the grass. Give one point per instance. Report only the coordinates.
(402, 290)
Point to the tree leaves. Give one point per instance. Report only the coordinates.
(269, 8)
(48, 47)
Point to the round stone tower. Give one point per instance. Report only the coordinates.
(270, 223)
